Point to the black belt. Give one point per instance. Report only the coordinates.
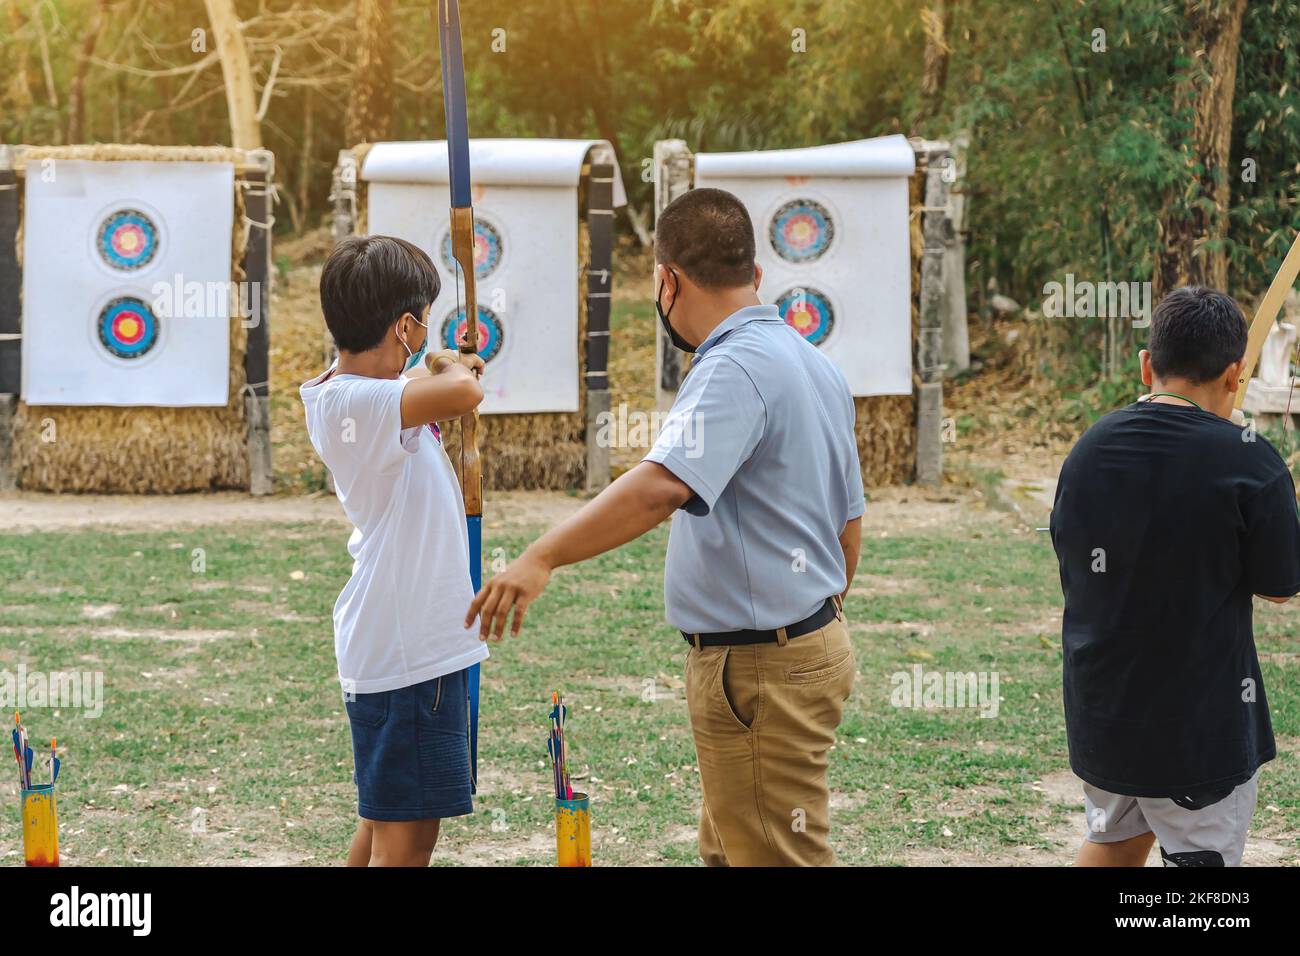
(813, 622)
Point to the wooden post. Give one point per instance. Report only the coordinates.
(369, 116)
(343, 196)
(956, 332)
(929, 346)
(258, 190)
(11, 318)
(674, 167)
(600, 281)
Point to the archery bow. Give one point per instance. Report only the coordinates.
(1266, 317)
(462, 250)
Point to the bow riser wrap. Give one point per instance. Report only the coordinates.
(471, 469)
(462, 250)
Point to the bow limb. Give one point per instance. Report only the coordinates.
(1266, 316)
(462, 249)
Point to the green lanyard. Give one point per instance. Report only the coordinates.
(1172, 395)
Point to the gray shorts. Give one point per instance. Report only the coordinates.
(1214, 835)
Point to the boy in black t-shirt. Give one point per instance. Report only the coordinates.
(1168, 518)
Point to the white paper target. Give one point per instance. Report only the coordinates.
(831, 228)
(526, 247)
(126, 283)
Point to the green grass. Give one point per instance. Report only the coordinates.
(223, 737)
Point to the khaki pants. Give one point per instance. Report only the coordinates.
(764, 717)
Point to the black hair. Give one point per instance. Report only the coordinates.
(707, 234)
(368, 283)
(1196, 333)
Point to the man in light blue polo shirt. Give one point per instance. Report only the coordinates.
(759, 461)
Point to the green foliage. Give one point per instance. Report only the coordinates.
(1266, 129)
(1075, 151)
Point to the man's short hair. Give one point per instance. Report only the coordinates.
(1196, 333)
(707, 234)
(368, 283)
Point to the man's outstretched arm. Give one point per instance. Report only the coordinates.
(627, 509)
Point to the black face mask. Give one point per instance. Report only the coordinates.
(673, 337)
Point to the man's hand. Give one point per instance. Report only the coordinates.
(627, 509)
(515, 587)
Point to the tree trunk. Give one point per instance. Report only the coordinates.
(245, 131)
(77, 95)
(1203, 94)
(20, 92)
(369, 117)
(602, 106)
(305, 158)
(936, 21)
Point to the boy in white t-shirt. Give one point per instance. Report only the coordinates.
(399, 633)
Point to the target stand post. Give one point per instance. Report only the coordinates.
(11, 315)
(259, 194)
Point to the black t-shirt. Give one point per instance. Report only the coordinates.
(1167, 520)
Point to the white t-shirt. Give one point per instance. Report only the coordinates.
(400, 618)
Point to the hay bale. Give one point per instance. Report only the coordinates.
(132, 152)
(135, 450)
(544, 451)
(886, 434)
(140, 449)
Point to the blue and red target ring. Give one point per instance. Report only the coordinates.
(801, 231)
(127, 240)
(127, 328)
(491, 335)
(809, 312)
(487, 250)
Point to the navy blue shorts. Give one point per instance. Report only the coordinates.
(410, 749)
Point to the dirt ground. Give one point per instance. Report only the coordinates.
(896, 509)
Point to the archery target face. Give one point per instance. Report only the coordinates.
(487, 249)
(127, 240)
(127, 329)
(491, 336)
(802, 230)
(809, 312)
(127, 283)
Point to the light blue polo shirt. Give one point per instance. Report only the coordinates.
(762, 432)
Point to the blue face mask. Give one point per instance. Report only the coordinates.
(416, 357)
